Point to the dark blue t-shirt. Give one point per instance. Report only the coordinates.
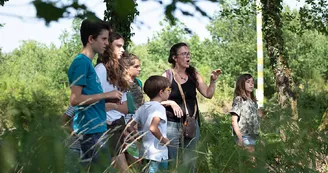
(89, 118)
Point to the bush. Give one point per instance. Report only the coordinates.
(33, 142)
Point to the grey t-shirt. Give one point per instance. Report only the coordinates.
(248, 119)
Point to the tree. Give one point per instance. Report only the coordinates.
(62, 10)
(314, 15)
(272, 12)
(121, 15)
(2, 2)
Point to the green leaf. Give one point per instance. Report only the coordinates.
(48, 11)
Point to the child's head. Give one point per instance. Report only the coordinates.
(157, 86)
(114, 50)
(133, 64)
(245, 86)
(116, 42)
(111, 58)
(95, 33)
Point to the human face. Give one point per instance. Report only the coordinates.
(117, 46)
(100, 43)
(134, 70)
(182, 58)
(249, 85)
(166, 93)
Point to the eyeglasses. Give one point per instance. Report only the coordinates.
(168, 89)
(185, 54)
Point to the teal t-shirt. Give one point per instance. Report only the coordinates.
(89, 118)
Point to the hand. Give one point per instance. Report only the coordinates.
(240, 142)
(130, 136)
(260, 112)
(74, 134)
(215, 74)
(111, 106)
(165, 141)
(176, 109)
(116, 95)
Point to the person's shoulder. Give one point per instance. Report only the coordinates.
(100, 67)
(156, 104)
(138, 82)
(151, 106)
(238, 99)
(168, 73)
(80, 59)
(158, 107)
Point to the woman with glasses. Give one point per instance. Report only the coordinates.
(185, 75)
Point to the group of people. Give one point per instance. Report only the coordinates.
(112, 126)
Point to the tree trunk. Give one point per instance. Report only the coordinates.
(275, 43)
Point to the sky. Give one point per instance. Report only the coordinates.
(21, 23)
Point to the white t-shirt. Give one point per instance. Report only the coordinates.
(112, 115)
(152, 148)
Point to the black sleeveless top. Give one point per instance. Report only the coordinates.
(189, 89)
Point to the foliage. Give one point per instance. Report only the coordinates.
(2, 2)
(31, 137)
(33, 83)
(159, 46)
(303, 151)
(121, 15)
(50, 10)
(314, 16)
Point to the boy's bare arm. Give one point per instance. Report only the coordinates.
(155, 130)
(77, 98)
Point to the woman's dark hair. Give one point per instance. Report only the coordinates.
(116, 70)
(240, 87)
(191, 71)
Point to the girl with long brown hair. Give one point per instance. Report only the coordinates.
(245, 116)
(114, 76)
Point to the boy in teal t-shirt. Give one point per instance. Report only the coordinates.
(86, 93)
(91, 118)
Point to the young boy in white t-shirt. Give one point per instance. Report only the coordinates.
(151, 119)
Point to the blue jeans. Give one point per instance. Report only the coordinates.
(155, 166)
(95, 152)
(174, 134)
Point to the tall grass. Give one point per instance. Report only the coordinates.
(305, 149)
(32, 137)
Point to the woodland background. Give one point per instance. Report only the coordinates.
(35, 92)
